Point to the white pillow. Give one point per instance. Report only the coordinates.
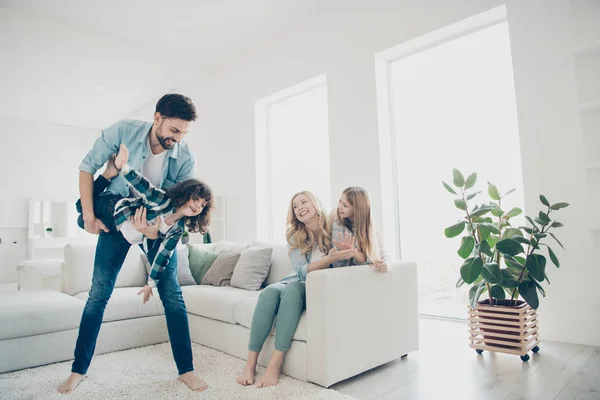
(184, 275)
(252, 268)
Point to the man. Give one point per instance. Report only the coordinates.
(156, 150)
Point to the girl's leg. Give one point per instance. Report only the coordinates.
(293, 302)
(262, 323)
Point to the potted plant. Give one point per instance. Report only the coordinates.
(49, 231)
(497, 264)
(185, 238)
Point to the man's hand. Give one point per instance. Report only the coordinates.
(93, 225)
(147, 292)
(140, 223)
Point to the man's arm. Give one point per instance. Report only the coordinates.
(91, 223)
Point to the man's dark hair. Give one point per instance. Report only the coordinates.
(176, 106)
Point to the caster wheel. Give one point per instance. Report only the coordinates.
(525, 357)
(479, 351)
(404, 356)
(536, 349)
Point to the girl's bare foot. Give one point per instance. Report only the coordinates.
(193, 382)
(270, 378)
(246, 377)
(71, 383)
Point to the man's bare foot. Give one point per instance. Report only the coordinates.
(193, 382)
(270, 378)
(71, 383)
(246, 377)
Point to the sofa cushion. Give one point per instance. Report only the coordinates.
(244, 310)
(125, 303)
(79, 265)
(252, 268)
(221, 271)
(33, 312)
(200, 262)
(225, 245)
(184, 275)
(215, 302)
(281, 265)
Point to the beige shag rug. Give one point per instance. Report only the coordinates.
(149, 373)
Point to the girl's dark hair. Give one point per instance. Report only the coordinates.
(193, 189)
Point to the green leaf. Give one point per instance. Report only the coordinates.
(509, 246)
(491, 227)
(539, 221)
(484, 232)
(509, 192)
(472, 195)
(552, 256)
(455, 230)
(448, 188)
(536, 266)
(475, 293)
(544, 200)
(557, 241)
(459, 180)
(493, 192)
(498, 292)
(471, 269)
(558, 206)
(510, 232)
(484, 209)
(544, 217)
(466, 246)
(471, 181)
(521, 239)
(508, 280)
(514, 212)
(460, 282)
(527, 229)
(557, 224)
(491, 273)
(540, 288)
(539, 236)
(497, 212)
(515, 262)
(484, 247)
(460, 204)
(531, 222)
(528, 292)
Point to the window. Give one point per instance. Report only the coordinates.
(451, 105)
(292, 153)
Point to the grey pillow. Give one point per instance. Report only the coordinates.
(221, 271)
(184, 274)
(252, 268)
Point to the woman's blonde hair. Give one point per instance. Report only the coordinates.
(299, 237)
(363, 229)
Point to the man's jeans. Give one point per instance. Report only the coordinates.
(110, 253)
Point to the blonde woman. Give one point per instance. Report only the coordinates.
(309, 243)
(352, 228)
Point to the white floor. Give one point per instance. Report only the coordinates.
(446, 367)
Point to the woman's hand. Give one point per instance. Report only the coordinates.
(147, 291)
(345, 241)
(140, 223)
(122, 158)
(380, 266)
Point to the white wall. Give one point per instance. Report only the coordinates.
(553, 159)
(341, 42)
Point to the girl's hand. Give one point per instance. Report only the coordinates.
(337, 255)
(345, 241)
(122, 158)
(380, 266)
(147, 291)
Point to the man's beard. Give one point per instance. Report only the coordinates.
(163, 141)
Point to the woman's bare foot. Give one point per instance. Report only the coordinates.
(193, 382)
(71, 383)
(246, 377)
(271, 376)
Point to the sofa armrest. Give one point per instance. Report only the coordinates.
(358, 319)
(39, 274)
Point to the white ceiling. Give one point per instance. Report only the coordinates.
(89, 63)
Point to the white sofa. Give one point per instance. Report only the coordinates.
(356, 319)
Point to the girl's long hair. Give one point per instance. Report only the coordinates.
(363, 229)
(182, 192)
(299, 237)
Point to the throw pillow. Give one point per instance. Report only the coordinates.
(222, 269)
(184, 275)
(200, 262)
(252, 268)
